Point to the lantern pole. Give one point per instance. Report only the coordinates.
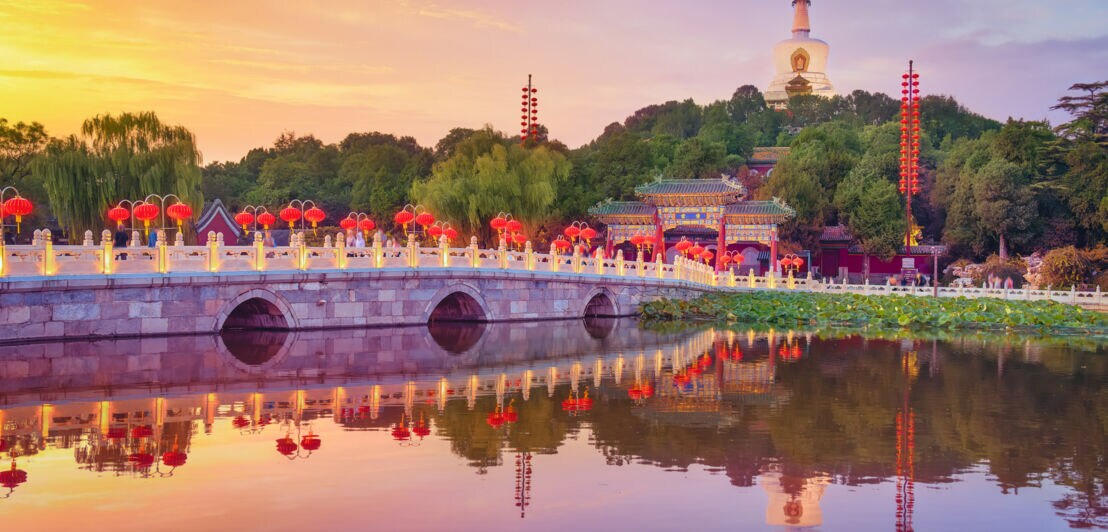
(909, 166)
(530, 113)
(255, 210)
(304, 206)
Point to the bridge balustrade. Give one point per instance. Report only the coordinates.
(42, 259)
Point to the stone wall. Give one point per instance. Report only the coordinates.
(123, 306)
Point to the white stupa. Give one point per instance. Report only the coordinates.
(801, 63)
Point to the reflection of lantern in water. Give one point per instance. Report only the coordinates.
(421, 429)
(240, 422)
(141, 461)
(12, 478)
(287, 446)
(510, 414)
(523, 483)
(400, 432)
(142, 431)
(310, 442)
(495, 419)
(174, 458)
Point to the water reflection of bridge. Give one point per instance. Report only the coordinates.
(200, 388)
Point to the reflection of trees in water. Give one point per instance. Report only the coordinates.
(107, 452)
(972, 403)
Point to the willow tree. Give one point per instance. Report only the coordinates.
(113, 158)
(487, 174)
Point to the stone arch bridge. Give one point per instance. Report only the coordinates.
(121, 306)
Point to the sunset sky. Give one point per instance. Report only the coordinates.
(239, 72)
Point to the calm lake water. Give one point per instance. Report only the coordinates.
(553, 426)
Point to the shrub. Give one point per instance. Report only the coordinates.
(1012, 268)
(1064, 268)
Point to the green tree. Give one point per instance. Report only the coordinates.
(487, 175)
(1004, 204)
(126, 156)
(870, 206)
(381, 177)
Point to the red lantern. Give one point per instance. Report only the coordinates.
(366, 226)
(244, 219)
(291, 214)
(637, 240)
(450, 233)
(785, 262)
(286, 446)
(404, 218)
(588, 233)
(314, 215)
(683, 246)
(696, 250)
(519, 239)
(498, 223)
(571, 232)
(725, 259)
(119, 215)
(425, 219)
(348, 223)
(146, 212)
(266, 220)
(561, 243)
(513, 226)
(798, 263)
(19, 207)
(434, 231)
(179, 212)
(707, 255)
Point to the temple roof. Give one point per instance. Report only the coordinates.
(835, 233)
(624, 208)
(772, 211)
(690, 186)
(691, 192)
(768, 154)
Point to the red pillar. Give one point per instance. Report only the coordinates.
(659, 237)
(608, 243)
(773, 249)
(721, 243)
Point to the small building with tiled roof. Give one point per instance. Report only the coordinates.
(840, 256)
(764, 158)
(216, 218)
(699, 210)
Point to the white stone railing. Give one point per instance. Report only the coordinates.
(43, 259)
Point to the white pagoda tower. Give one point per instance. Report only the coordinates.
(801, 63)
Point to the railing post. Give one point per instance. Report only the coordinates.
(179, 240)
(413, 253)
(530, 256)
(213, 252)
(48, 262)
(107, 258)
(88, 239)
(301, 252)
(751, 282)
(444, 251)
(640, 264)
(378, 253)
(163, 251)
(259, 252)
(771, 279)
(136, 240)
(598, 263)
(1073, 294)
(731, 281)
(1098, 298)
(576, 259)
(619, 262)
(791, 282)
(554, 259)
(474, 255)
(502, 255)
(659, 266)
(340, 251)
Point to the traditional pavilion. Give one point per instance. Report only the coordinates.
(712, 212)
(801, 63)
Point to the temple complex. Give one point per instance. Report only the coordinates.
(711, 212)
(801, 63)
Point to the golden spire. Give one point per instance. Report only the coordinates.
(800, 18)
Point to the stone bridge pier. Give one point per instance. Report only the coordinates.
(122, 306)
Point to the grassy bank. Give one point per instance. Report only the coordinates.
(792, 309)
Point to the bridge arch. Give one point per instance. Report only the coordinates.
(256, 309)
(600, 302)
(457, 302)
